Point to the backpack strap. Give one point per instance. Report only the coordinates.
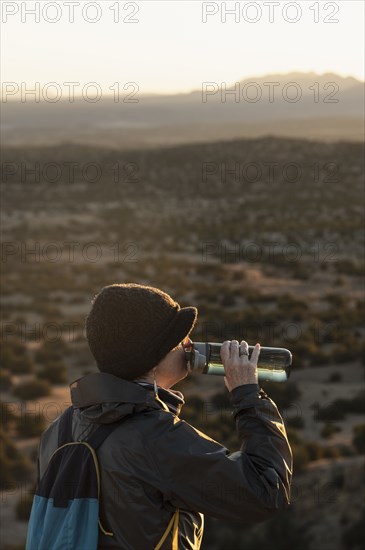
(65, 427)
(97, 437)
(102, 432)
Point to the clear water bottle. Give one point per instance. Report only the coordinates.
(273, 363)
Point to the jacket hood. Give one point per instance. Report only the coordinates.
(105, 398)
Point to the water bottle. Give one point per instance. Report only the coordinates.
(273, 363)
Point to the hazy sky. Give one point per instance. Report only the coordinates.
(170, 48)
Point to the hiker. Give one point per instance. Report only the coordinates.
(158, 474)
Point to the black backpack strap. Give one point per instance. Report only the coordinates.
(95, 440)
(101, 433)
(65, 427)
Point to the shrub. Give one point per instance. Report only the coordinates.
(15, 358)
(335, 377)
(300, 457)
(314, 450)
(329, 429)
(7, 415)
(293, 435)
(32, 389)
(221, 401)
(295, 422)
(5, 380)
(359, 438)
(338, 409)
(345, 450)
(354, 536)
(50, 351)
(14, 468)
(30, 425)
(342, 353)
(23, 507)
(194, 409)
(284, 395)
(285, 532)
(227, 299)
(55, 372)
(22, 365)
(330, 413)
(331, 452)
(356, 405)
(294, 308)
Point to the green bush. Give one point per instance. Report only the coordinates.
(284, 395)
(190, 413)
(32, 389)
(221, 401)
(335, 377)
(301, 457)
(314, 450)
(342, 353)
(294, 309)
(50, 352)
(356, 405)
(345, 450)
(354, 536)
(329, 429)
(330, 413)
(14, 468)
(14, 357)
(55, 372)
(296, 422)
(7, 415)
(338, 409)
(30, 425)
(331, 452)
(359, 438)
(5, 380)
(23, 507)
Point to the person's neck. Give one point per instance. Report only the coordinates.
(149, 380)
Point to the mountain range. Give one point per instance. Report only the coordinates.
(297, 105)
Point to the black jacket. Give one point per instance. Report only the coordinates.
(153, 462)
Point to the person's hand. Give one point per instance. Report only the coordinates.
(238, 368)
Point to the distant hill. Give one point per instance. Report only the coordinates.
(329, 108)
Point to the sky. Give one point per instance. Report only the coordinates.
(170, 49)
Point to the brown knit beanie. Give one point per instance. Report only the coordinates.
(131, 327)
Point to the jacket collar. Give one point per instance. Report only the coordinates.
(174, 399)
(101, 387)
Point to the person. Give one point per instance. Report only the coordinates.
(155, 464)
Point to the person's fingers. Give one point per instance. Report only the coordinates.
(234, 348)
(244, 349)
(225, 350)
(255, 354)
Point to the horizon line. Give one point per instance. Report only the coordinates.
(194, 90)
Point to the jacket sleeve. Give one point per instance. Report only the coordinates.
(197, 473)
